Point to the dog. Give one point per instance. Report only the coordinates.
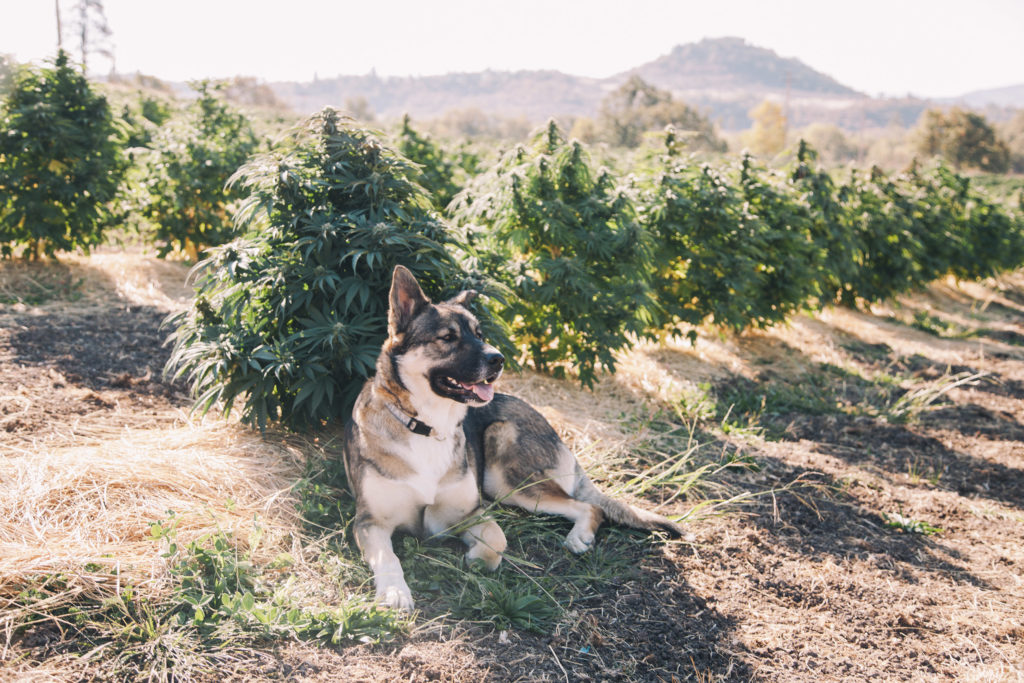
(429, 434)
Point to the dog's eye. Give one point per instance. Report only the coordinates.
(449, 337)
(478, 334)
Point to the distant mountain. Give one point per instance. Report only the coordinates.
(536, 95)
(723, 77)
(1010, 96)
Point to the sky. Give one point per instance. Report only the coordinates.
(928, 48)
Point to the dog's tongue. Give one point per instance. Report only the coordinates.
(484, 392)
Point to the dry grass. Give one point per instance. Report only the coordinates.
(68, 508)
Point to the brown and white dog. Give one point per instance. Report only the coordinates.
(428, 434)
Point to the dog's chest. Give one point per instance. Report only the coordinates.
(433, 461)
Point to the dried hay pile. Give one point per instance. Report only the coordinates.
(84, 512)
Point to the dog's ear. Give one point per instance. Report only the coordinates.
(464, 298)
(407, 299)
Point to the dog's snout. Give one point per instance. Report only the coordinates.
(495, 361)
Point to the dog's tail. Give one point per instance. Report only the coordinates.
(622, 513)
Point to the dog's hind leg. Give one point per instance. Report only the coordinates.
(550, 498)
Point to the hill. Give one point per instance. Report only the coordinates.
(727, 65)
(536, 95)
(1010, 96)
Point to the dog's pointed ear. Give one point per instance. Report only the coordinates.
(464, 298)
(407, 299)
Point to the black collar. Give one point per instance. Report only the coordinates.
(411, 423)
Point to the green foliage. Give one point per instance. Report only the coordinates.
(738, 254)
(218, 591)
(899, 522)
(289, 318)
(963, 138)
(638, 107)
(566, 242)
(59, 164)
(924, 225)
(830, 226)
(436, 171)
(890, 230)
(184, 192)
(791, 261)
(142, 118)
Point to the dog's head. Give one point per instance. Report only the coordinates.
(442, 342)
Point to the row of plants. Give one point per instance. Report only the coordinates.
(579, 262)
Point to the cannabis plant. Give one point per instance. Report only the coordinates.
(289, 318)
(60, 166)
(565, 240)
(184, 181)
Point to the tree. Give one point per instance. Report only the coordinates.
(767, 137)
(89, 22)
(1013, 133)
(59, 163)
(565, 240)
(289, 318)
(964, 139)
(637, 107)
(831, 142)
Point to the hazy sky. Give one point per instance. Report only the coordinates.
(932, 48)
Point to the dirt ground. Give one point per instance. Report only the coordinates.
(901, 557)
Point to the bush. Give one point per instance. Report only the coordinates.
(289, 318)
(890, 229)
(436, 172)
(184, 191)
(830, 227)
(964, 138)
(791, 261)
(737, 254)
(566, 242)
(59, 164)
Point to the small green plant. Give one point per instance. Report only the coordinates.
(899, 522)
(217, 584)
(932, 324)
(60, 166)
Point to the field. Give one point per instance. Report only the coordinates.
(852, 483)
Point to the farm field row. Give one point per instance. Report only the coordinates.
(853, 485)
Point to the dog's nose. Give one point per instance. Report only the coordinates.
(495, 361)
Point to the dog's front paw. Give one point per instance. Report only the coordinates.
(397, 597)
(579, 541)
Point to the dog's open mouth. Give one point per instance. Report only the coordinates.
(466, 391)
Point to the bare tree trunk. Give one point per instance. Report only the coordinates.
(83, 9)
(60, 31)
